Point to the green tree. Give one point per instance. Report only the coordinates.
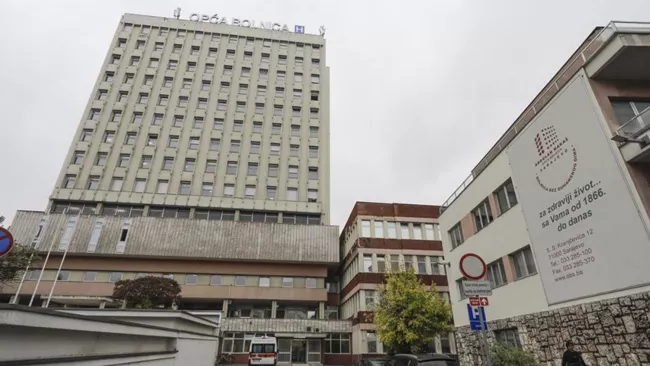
(408, 317)
(13, 264)
(505, 354)
(147, 292)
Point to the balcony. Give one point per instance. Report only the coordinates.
(637, 129)
(625, 53)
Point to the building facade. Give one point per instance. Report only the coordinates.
(558, 205)
(382, 237)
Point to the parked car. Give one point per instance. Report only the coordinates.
(428, 359)
(367, 362)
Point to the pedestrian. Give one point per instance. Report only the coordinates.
(572, 357)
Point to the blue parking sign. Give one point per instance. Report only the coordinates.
(475, 314)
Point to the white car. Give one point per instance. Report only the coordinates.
(263, 351)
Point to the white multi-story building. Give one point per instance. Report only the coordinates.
(558, 210)
(194, 119)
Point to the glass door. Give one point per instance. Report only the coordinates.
(284, 350)
(298, 351)
(313, 351)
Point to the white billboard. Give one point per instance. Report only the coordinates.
(586, 233)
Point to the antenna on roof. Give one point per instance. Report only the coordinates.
(177, 13)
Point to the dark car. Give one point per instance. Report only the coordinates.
(369, 362)
(429, 359)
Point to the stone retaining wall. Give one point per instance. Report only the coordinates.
(612, 332)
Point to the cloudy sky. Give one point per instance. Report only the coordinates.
(421, 89)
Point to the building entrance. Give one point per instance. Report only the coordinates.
(297, 351)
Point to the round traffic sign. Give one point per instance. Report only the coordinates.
(472, 266)
(6, 241)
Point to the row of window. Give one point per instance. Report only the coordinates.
(178, 212)
(392, 263)
(216, 37)
(505, 197)
(186, 279)
(389, 229)
(335, 343)
(185, 188)
(522, 261)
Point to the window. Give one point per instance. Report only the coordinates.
(240, 280)
(146, 162)
(243, 89)
(297, 94)
(215, 144)
(275, 148)
(297, 77)
(264, 282)
(152, 140)
(245, 72)
(182, 102)
(90, 276)
(240, 107)
(231, 168)
(194, 51)
(86, 135)
(94, 113)
(154, 62)
(370, 299)
(295, 130)
(337, 343)
(261, 91)
(172, 142)
(312, 195)
(212, 52)
(250, 191)
(187, 84)
(371, 342)
(315, 78)
(394, 262)
(313, 172)
(632, 112)
(238, 126)
(184, 187)
(114, 277)
(178, 121)
(108, 77)
(176, 49)
(215, 280)
(121, 43)
(435, 265)
(417, 231)
(139, 185)
(276, 128)
(310, 282)
(190, 279)
(422, 264)
(123, 160)
(391, 230)
(313, 131)
(496, 274)
(506, 197)
(77, 157)
(221, 105)
(205, 85)
(163, 100)
(273, 170)
(299, 61)
(116, 183)
(215, 37)
(100, 159)
(510, 336)
(163, 31)
(158, 46)
(293, 172)
(314, 95)
(209, 68)
(313, 151)
(172, 65)
(228, 190)
(456, 235)
(191, 66)
(227, 70)
(252, 169)
(198, 122)
(430, 233)
(211, 166)
(157, 119)
(271, 192)
(137, 118)
(218, 124)
(523, 262)
(168, 163)
(115, 60)
(207, 189)
(167, 82)
(163, 186)
(279, 92)
(482, 215)
(189, 165)
(367, 263)
(93, 182)
(381, 263)
(313, 113)
(379, 229)
(277, 110)
(264, 74)
(194, 143)
(292, 194)
(404, 231)
(109, 136)
(181, 33)
(365, 229)
(287, 282)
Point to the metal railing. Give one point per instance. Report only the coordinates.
(635, 125)
(601, 39)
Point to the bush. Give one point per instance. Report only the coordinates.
(147, 292)
(505, 354)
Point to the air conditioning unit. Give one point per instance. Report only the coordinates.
(309, 329)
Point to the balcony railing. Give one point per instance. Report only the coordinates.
(636, 125)
(457, 193)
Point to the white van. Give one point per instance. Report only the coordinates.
(263, 351)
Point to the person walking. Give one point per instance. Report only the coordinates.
(572, 357)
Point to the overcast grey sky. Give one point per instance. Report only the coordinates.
(420, 89)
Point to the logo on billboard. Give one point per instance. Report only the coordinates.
(558, 160)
